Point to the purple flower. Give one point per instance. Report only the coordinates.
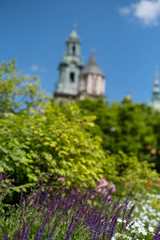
(128, 218)
(69, 230)
(157, 235)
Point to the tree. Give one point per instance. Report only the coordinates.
(18, 92)
(123, 126)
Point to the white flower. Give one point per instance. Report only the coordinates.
(151, 229)
(121, 235)
(119, 220)
(144, 233)
(136, 224)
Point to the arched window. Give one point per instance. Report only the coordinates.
(73, 50)
(72, 77)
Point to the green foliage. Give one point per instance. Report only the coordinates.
(133, 174)
(18, 92)
(38, 136)
(57, 141)
(128, 127)
(130, 132)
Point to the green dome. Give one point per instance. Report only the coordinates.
(74, 35)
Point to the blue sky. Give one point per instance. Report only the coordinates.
(124, 33)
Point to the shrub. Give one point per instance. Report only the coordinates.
(57, 141)
(133, 174)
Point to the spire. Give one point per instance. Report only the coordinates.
(74, 36)
(129, 96)
(72, 52)
(92, 66)
(156, 91)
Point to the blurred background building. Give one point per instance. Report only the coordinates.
(155, 102)
(76, 80)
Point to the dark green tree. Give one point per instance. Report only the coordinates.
(126, 126)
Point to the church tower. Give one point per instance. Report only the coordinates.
(92, 80)
(155, 104)
(69, 69)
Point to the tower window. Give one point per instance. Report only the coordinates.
(73, 50)
(72, 77)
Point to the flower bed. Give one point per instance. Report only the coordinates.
(55, 214)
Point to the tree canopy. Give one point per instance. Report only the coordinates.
(131, 128)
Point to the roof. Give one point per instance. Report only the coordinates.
(92, 67)
(73, 36)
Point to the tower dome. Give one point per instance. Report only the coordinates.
(74, 36)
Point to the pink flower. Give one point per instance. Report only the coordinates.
(103, 187)
(104, 192)
(98, 189)
(112, 187)
(92, 197)
(109, 197)
(61, 179)
(103, 183)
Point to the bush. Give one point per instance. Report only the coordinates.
(57, 141)
(133, 174)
